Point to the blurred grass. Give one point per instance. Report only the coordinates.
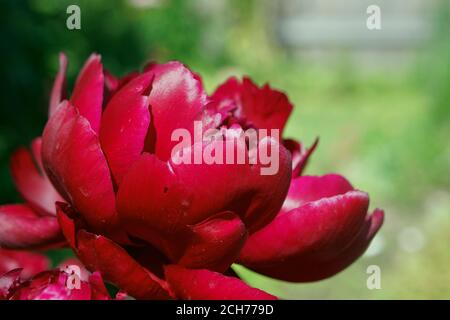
(380, 136)
(385, 129)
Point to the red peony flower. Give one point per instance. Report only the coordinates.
(159, 228)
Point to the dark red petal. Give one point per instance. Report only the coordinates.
(190, 284)
(77, 167)
(261, 107)
(229, 90)
(156, 199)
(303, 244)
(31, 180)
(58, 90)
(66, 223)
(353, 251)
(111, 82)
(300, 156)
(127, 78)
(87, 94)
(147, 201)
(215, 243)
(177, 99)
(98, 289)
(295, 148)
(98, 253)
(311, 188)
(36, 151)
(21, 227)
(114, 263)
(30, 263)
(240, 188)
(125, 124)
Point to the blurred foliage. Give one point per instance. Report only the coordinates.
(32, 33)
(386, 129)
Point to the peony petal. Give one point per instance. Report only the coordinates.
(240, 188)
(148, 202)
(177, 100)
(261, 107)
(98, 253)
(36, 151)
(353, 251)
(189, 284)
(313, 241)
(125, 124)
(214, 244)
(114, 263)
(304, 158)
(311, 188)
(77, 167)
(65, 219)
(157, 200)
(300, 157)
(295, 148)
(21, 227)
(87, 95)
(58, 90)
(229, 90)
(98, 289)
(111, 82)
(31, 180)
(127, 78)
(30, 263)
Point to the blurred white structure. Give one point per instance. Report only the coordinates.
(336, 26)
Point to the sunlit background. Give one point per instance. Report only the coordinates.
(378, 99)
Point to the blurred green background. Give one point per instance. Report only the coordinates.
(378, 100)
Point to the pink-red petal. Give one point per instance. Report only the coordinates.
(78, 169)
(214, 244)
(158, 199)
(125, 124)
(87, 95)
(98, 289)
(31, 180)
(58, 89)
(300, 156)
(21, 227)
(99, 253)
(311, 188)
(30, 263)
(177, 100)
